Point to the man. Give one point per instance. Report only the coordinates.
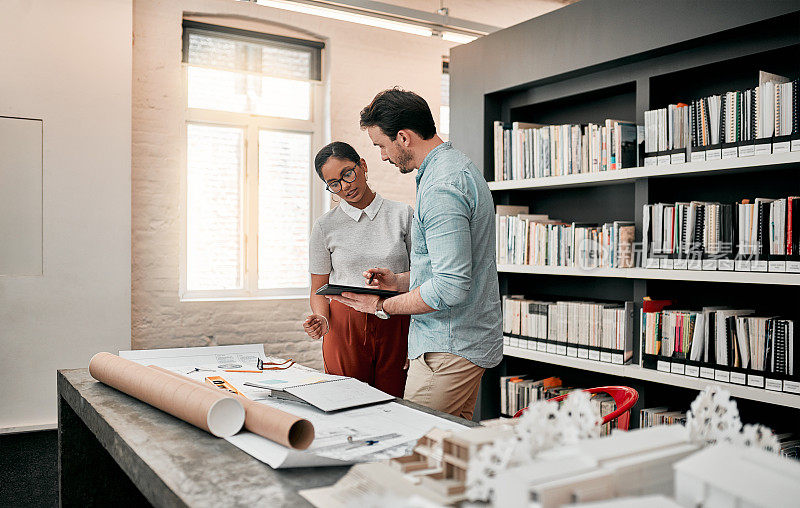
(452, 289)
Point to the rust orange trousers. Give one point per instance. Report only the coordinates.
(367, 348)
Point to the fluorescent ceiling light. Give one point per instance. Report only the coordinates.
(459, 38)
(349, 16)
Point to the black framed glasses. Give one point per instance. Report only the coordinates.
(335, 186)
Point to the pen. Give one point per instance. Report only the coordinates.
(371, 277)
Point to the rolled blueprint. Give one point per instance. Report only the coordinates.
(279, 426)
(215, 412)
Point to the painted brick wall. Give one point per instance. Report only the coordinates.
(363, 61)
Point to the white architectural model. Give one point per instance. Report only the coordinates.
(725, 475)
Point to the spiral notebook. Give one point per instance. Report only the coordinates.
(331, 395)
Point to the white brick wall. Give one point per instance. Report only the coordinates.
(363, 61)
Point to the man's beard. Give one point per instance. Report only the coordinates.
(403, 162)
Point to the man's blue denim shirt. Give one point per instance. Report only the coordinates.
(453, 261)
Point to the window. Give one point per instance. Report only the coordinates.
(444, 108)
(253, 118)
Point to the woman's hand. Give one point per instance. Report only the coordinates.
(316, 326)
(382, 278)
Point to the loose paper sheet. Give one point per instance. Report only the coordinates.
(339, 436)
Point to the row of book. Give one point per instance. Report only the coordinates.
(593, 330)
(761, 234)
(520, 391)
(654, 416)
(759, 120)
(529, 150)
(529, 239)
(721, 343)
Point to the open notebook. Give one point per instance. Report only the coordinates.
(332, 394)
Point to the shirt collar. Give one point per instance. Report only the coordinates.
(428, 158)
(355, 213)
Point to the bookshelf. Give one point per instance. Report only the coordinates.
(585, 63)
(758, 163)
(636, 372)
(777, 278)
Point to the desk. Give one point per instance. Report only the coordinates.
(118, 451)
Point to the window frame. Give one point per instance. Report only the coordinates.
(251, 124)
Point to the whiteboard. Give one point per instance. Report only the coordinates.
(20, 196)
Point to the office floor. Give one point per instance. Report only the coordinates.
(29, 469)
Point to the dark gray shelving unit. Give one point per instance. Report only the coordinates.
(599, 59)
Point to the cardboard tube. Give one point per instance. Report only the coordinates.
(214, 412)
(279, 426)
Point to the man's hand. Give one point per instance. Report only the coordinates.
(367, 304)
(382, 278)
(316, 326)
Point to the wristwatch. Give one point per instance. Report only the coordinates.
(379, 310)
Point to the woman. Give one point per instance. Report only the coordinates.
(364, 231)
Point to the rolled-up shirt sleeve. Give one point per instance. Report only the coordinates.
(445, 215)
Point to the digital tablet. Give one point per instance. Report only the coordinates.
(336, 289)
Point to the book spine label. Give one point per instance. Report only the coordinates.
(782, 147)
(755, 381)
(758, 266)
(584, 353)
(533, 345)
(664, 160)
(506, 340)
(777, 266)
(667, 263)
(561, 349)
(775, 385)
(726, 264)
(791, 386)
(677, 158)
(710, 264)
(738, 378)
(714, 155)
(730, 153)
(707, 372)
(699, 156)
(594, 355)
(652, 263)
(663, 366)
(678, 368)
(541, 346)
(695, 264)
(572, 351)
(795, 145)
(747, 150)
(617, 358)
(650, 161)
(551, 348)
(763, 148)
(681, 264)
(692, 371)
(743, 265)
(605, 356)
(793, 266)
(723, 376)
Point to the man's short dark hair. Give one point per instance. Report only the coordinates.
(396, 109)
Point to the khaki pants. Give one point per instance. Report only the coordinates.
(445, 382)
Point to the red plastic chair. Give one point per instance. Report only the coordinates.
(624, 397)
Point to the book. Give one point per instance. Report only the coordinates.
(330, 394)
